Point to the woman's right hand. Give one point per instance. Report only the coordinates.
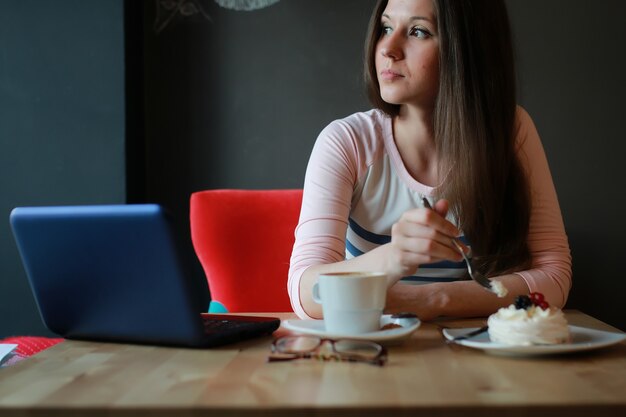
(421, 236)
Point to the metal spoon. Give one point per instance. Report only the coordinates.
(475, 275)
(470, 334)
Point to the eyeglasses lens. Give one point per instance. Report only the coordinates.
(347, 348)
(297, 344)
(353, 348)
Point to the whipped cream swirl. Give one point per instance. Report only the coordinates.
(499, 288)
(532, 326)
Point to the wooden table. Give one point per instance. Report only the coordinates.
(424, 377)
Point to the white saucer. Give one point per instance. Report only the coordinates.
(582, 339)
(316, 328)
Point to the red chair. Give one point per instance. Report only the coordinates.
(243, 239)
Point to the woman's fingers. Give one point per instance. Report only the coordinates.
(423, 235)
(441, 207)
(431, 219)
(426, 224)
(425, 241)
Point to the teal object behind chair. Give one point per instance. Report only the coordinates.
(216, 307)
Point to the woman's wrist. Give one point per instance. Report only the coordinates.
(428, 301)
(394, 270)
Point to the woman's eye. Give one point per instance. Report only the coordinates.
(419, 33)
(386, 30)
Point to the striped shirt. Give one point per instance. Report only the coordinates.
(369, 223)
(356, 187)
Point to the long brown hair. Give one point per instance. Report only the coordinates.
(474, 125)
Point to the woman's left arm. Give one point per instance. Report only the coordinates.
(551, 269)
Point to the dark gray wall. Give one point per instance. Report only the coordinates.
(61, 122)
(571, 69)
(238, 100)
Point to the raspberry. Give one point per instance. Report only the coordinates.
(539, 300)
(522, 302)
(543, 305)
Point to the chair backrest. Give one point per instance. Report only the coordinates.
(244, 239)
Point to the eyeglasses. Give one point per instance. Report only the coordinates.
(289, 348)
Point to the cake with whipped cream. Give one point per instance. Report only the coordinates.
(529, 321)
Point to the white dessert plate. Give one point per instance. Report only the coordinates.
(316, 328)
(582, 339)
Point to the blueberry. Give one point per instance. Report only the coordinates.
(523, 302)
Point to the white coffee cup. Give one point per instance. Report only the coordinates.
(352, 302)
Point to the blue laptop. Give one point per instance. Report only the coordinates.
(113, 273)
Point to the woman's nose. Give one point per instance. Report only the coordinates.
(391, 47)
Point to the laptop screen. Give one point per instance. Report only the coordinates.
(109, 272)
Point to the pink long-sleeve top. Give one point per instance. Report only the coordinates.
(356, 187)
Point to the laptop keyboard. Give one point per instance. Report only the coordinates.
(221, 329)
(213, 325)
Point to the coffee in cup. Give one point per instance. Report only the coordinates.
(352, 302)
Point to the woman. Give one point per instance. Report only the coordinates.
(446, 127)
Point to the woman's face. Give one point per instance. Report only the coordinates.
(407, 54)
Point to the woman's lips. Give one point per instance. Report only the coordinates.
(389, 75)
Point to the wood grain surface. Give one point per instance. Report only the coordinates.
(424, 376)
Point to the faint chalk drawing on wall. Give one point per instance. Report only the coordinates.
(168, 10)
(246, 5)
